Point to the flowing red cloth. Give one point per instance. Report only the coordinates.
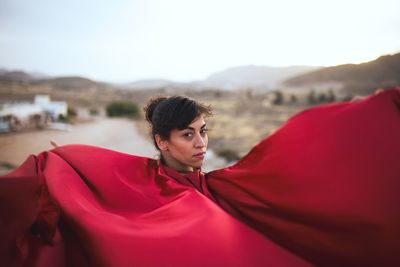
(326, 185)
(324, 190)
(105, 208)
(194, 179)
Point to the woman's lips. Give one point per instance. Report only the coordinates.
(199, 155)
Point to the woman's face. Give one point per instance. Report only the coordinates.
(185, 150)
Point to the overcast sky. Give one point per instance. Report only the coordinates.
(184, 40)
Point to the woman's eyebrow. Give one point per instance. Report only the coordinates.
(191, 128)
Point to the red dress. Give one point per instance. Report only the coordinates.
(323, 190)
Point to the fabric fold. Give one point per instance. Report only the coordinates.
(117, 210)
(325, 185)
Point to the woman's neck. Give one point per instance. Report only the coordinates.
(174, 164)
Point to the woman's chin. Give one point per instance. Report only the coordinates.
(197, 165)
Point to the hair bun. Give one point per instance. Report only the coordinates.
(151, 107)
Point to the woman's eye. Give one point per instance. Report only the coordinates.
(203, 131)
(188, 134)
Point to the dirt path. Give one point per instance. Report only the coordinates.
(116, 134)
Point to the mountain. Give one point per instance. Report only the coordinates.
(70, 83)
(355, 78)
(61, 83)
(16, 76)
(20, 76)
(258, 77)
(361, 78)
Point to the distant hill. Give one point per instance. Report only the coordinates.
(361, 78)
(20, 76)
(16, 76)
(77, 91)
(354, 78)
(58, 83)
(71, 83)
(259, 77)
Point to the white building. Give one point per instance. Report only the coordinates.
(17, 116)
(54, 109)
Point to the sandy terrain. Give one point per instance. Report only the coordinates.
(116, 134)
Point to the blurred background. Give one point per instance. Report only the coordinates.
(81, 71)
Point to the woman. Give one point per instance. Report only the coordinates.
(179, 132)
(314, 193)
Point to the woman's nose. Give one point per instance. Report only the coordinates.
(199, 141)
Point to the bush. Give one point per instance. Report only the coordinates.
(123, 109)
(93, 111)
(311, 97)
(228, 154)
(278, 98)
(71, 114)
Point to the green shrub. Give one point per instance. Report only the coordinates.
(93, 111)
(7, 165)
(278, 98)
(123, 109)
(228, 154)
(71, 114)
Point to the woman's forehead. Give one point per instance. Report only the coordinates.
(197, 123)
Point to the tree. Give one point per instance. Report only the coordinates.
(331, 96)
(311, 98)
(278, 98)
(293, 98)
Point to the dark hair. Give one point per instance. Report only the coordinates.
(165, 114)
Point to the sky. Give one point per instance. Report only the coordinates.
(187, 40)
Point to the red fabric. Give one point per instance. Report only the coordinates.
(121, 210)
(326, 185)
(194, 179)
(322, 190)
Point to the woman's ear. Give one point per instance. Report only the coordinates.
(161, 143)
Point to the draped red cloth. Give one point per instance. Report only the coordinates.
(105, 208)
(326, 185)
(323, 190)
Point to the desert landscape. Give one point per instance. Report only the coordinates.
(241, 119)
(238, 124)
(243, 115)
